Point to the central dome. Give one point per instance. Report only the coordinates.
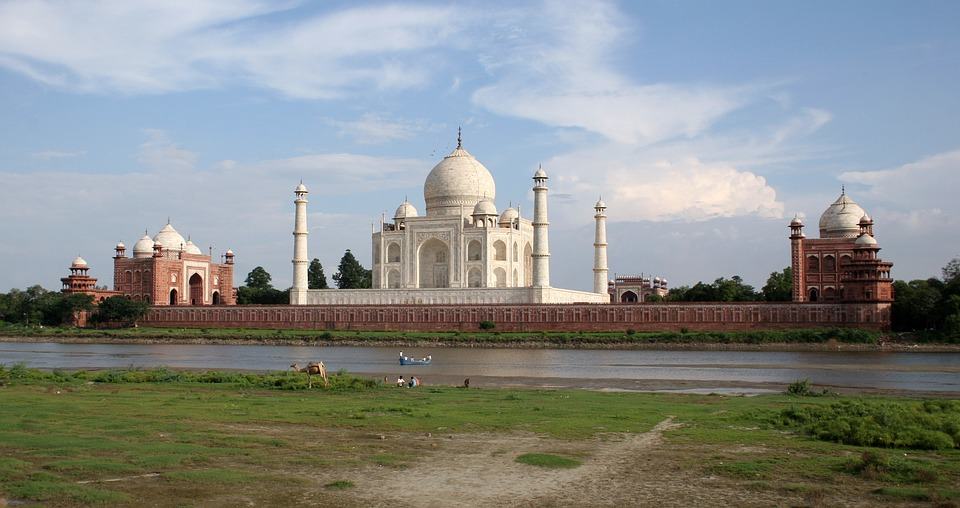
(459, 180)
(841, 219)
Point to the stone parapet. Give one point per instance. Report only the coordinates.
(532, 317)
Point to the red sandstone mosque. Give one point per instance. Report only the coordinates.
(842, 265)
(164, 270)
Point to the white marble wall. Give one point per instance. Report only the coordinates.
(449, 296)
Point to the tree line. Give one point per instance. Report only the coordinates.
(258, 289)
(930, 306)
(38, 306)
(777, 289)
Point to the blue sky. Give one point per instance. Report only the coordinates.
(705, 125)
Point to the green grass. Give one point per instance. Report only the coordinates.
(339, 485)
(478, 336)
(548, 461)
(223, 434)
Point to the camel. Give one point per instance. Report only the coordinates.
(317, 368)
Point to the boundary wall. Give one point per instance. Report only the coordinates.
(530, 317)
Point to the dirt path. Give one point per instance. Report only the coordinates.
(480, 470)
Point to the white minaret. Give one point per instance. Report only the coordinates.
(600, 250)
(541, 244)
(298, 293)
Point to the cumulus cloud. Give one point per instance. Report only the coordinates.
(158, 46)
(929, 181)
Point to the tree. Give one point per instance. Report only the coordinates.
(916, 305)
(951, 272)
(120, 309)
(315, 277)
(779, 287)
(351, 274)
(258, 278)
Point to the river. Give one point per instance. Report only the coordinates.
(603, 369)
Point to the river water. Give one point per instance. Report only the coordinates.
(921, 372)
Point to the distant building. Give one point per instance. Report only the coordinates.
(79, 282)
(168, 270)
(842, 265)
(636, 288)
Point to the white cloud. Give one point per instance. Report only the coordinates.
(159, 46)
(928, 183)
(559, 69)
(57, 154)
(640, 186)
(244, 206)
(158, 152)
(372, 128)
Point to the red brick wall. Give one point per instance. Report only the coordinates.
(573, 317)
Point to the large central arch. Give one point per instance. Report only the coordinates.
(433, 264)
(196, 289)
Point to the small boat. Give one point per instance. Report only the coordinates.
(406, 360)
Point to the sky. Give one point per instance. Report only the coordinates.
(705, 126)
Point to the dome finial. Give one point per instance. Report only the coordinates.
(843, 190)
(459, 137)
(168, 219)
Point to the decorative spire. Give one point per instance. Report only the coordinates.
(459, 137)
(168, 219)
(843, 190)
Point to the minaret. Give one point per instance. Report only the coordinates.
(600, 250)
(298, 293)
(541, 244)
(796, 259)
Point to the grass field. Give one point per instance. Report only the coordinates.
(488, 337)
(222, 439)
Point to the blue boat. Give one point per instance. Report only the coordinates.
(406, 360)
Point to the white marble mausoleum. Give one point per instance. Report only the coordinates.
(461, 250)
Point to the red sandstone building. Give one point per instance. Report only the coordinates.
(168, 270)
(79, 282)
(842, 265)
(636, 288)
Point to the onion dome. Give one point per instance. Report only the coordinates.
(79, 262)
(143, 248)
(540, 173)
(229, 252)
(485, 207)
(841, 219)
(169, 239)
(797, 221)
(866, 220)
(458, 180)
(509, 215)
(302, 188)
(405, 211)
(191, 248)
(120, 245)
(866, 240)
(600, 204)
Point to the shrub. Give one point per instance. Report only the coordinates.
(487, 325)
(929, 425)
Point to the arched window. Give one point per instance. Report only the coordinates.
(432, 265)
(527, 265)
(393, 253)
(516, 253)
(813, 264)
(173, 277)
(499, 250)
(474, 278)
(501, 276)
(845, 259)
(128, 277)
(829, 293)
(516, 278)
(829, 264)
(136, 277)
(173, 297)
(473, 251)
(628, 297)
(216, 298)
(814, 294)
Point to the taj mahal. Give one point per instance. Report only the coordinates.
(461, 251)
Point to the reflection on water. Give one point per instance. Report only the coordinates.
(904, 371)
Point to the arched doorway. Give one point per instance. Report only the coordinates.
(628, 297)
(433, 264)
(814, 294)
(527, 265)
(173, 297)
(196, 289)
(216, 298)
